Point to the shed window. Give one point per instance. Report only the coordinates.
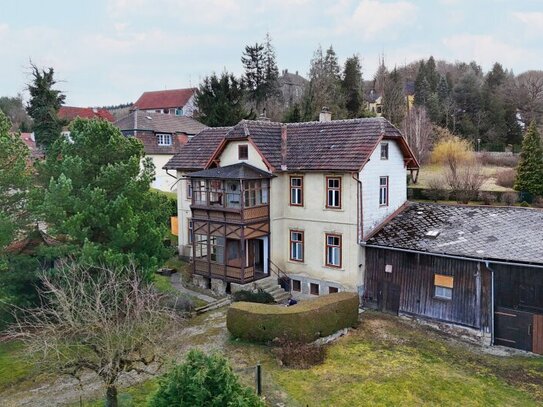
(443, 286)
(296, 191)
(243, 152)
(384, 151)
(164, 139)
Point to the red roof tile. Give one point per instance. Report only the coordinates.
(162, 99)
(71, 112)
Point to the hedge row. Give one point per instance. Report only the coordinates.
(303, 322)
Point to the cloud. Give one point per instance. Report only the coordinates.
(485, 49)
(373, 19)
(534, 18)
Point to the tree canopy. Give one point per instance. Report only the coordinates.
(95, 193)
(530, 167)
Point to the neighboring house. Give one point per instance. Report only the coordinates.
(177, 102)
(30, 140)
(296, 197)
(292, 87)
(69, 113)
(162, 136)
(374, 100)
(477, 267)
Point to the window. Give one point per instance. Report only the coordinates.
(216, 192)
(332, 290)
(243, 152)
(190, 228)
(333, 192)
(189, 190)
(384, 151)
(296, 245)
(313, 289)
(216, 249)
(383, 191)
(256, 193)
(179, 111)
(296, 285)
(296, 191)
(443, 286)
(199, 192)
(333, 250)
(200, 246)
(164, 139)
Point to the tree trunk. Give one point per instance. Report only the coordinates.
(111, 396)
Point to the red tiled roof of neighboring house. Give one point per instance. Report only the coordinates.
(30, 141)
(71, 112)
(162, 99)
(341, 145)
(159, 123)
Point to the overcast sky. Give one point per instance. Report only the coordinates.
(110, 51)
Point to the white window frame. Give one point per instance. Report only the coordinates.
(164, 139)
(383, 191)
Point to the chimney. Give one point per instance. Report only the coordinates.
(284, 140)
(296, 72)
(325, 115)
(263, 117)
(136, 122)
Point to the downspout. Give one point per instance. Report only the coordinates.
(487, 265)
(359, 214)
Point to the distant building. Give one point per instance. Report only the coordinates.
(69, 113)
(30, 140)
(374, 100)
(162, 136)
(292, 86)
(178, 102)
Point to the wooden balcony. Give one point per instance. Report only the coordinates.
(215, 212)
(223, 272)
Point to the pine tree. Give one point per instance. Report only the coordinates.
(530, 168)
(44, 105)
(421, 89)
(271, 71)
(352, 86)
(431, 74)
(254, 79)
(220, 100)
(393, 99)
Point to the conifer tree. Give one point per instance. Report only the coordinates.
(352, 86)
(530, 168)
(393, 99)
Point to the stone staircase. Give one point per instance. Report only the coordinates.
(270, 285)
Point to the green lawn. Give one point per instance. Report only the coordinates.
(14, 366)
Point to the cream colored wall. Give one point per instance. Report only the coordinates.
(229, 156)
(162, 181)
(183, 214)
(315, 220)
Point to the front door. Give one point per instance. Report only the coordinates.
(258, 255)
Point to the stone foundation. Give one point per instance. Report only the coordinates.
(218, 286)
(200, 281)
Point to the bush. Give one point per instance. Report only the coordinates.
(203, 381)
(525, 204)
(538, 202)
(303, 322)
(177, 303)
(299, 355)
(509, 198)
(499, 160)
(259, 296)
(435, 189)
(506, 178)
(488, 198)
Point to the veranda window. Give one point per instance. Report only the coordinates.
(199, 192)
(216, 248)
(200, 246)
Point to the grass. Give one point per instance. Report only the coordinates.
(129, 397)
(429, 171)
(14, 365)
(387, 362)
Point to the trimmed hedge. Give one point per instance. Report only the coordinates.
(261, 296)
(302, 322)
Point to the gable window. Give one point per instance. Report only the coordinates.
(384, 151)
(333, 192)
(333, 250)
(443, 286)
(296, 191)
(164, 139)
(383, 191)
(190, 228)
(296, 245)
(243, 152)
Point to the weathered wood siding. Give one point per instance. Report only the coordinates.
(519, 287)
(414, 274)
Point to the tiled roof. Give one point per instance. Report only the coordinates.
(234, 171)
(30, 141)
(159, 123)
(342, 145)
(162, 99)
(71, 112)
(491, 233)
(196, 153)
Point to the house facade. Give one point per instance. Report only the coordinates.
(298, 198)
(162, 136)
(176, 102)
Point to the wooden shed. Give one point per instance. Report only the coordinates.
(476, 267)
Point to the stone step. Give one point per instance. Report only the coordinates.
(213, 305)
(282, 297)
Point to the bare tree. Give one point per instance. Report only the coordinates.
(418, 129)
(530, 95)
(97, 319)
(466, 183)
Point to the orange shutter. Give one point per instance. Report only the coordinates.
(443, 281)
(175, 228)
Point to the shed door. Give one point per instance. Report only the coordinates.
(389, 297)
(513, 328)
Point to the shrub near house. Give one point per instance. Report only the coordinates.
(303, 322)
